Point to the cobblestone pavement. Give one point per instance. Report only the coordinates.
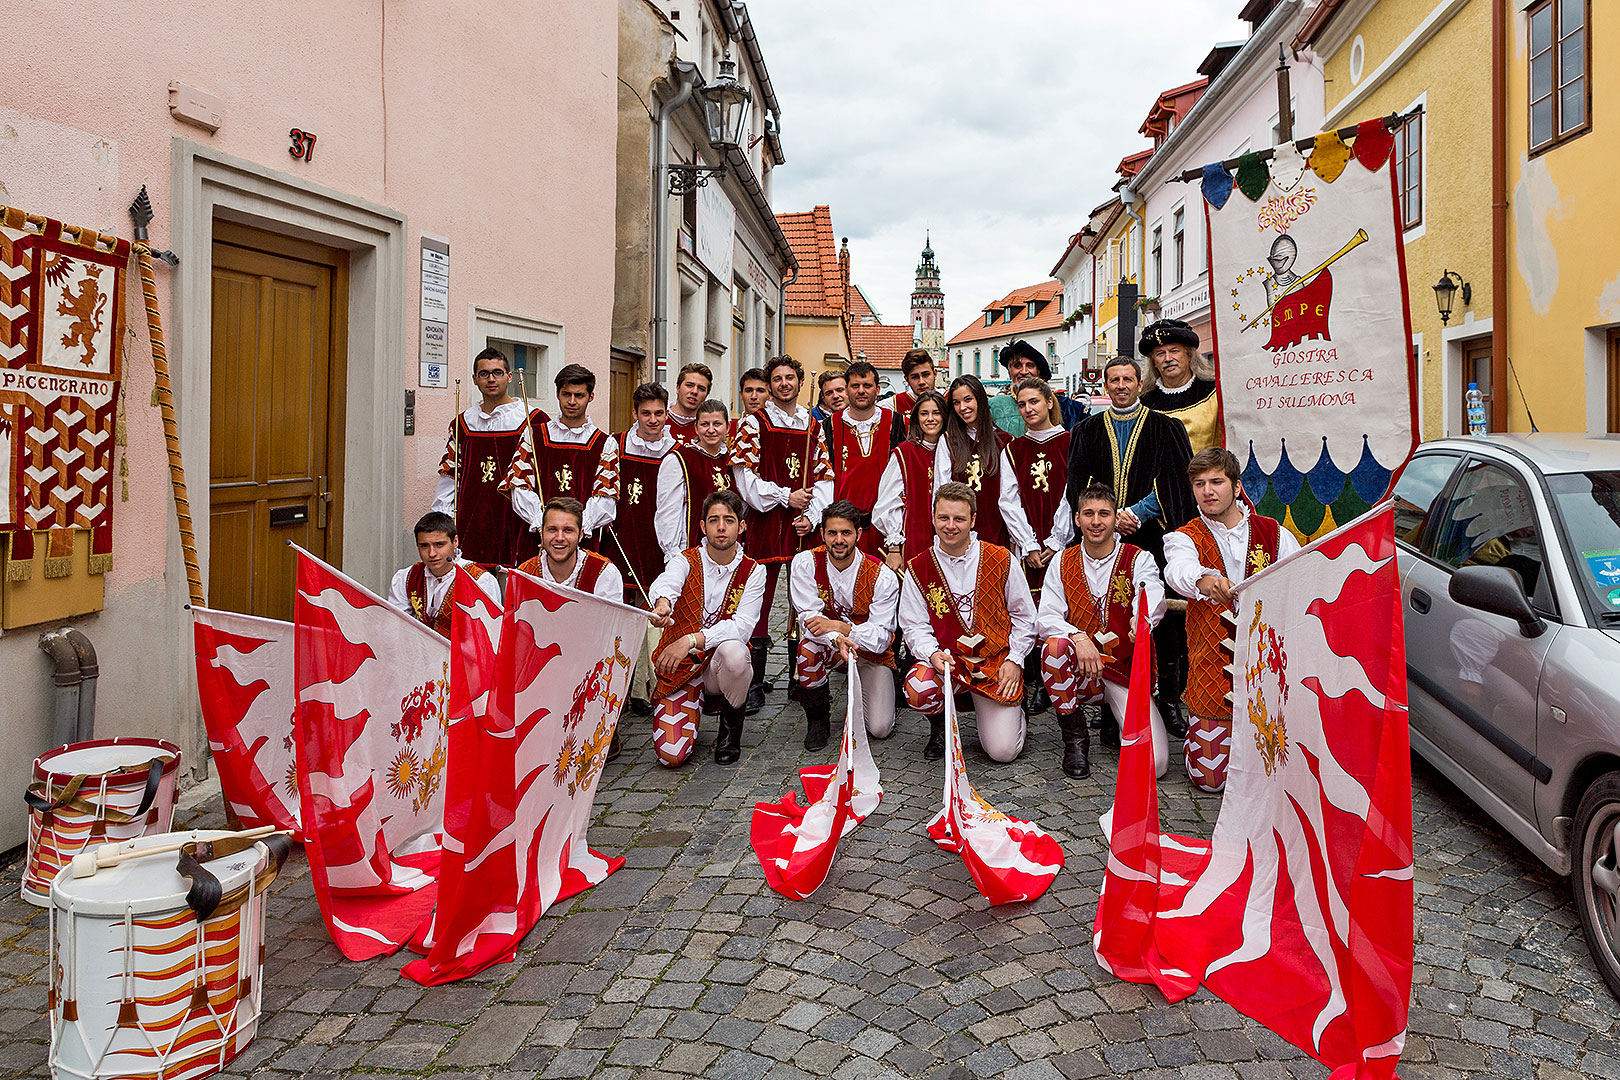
(684, 963)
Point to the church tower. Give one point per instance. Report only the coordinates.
(928, 305)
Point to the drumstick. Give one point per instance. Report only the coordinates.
(86, 863)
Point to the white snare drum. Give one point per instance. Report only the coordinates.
(87, 793)
(154, 975)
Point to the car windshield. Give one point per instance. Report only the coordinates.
(1589, 504)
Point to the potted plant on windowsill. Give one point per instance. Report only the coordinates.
(1148, 305)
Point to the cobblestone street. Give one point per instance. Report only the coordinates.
(684, 963)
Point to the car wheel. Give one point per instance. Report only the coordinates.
(1595, 874)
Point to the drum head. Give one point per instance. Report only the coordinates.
(103, 757)
(150, 884)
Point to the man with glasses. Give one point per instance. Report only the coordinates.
(478, 449)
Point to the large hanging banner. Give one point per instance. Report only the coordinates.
(1313, 339)
(61, 352)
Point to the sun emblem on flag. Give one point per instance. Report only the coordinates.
(403, 773)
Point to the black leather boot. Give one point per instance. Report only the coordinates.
(1036, 700)
(1172, 682)
(1110, 728)
(728, 740)
(1076, 745)
(817, 715)
(936, 737)
(759, 665)
(759, 649)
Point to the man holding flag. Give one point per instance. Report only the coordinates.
(1204, 561)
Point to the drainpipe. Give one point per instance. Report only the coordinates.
(1499, 217)
(89, 670)
(65, 659)
(686, 76)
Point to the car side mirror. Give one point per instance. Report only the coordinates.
(1500, 591)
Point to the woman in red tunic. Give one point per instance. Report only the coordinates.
(903, 512)
(970, 453)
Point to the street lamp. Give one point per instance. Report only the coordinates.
(1445, 294)
(728, 128)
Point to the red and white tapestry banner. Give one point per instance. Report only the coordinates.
(61, 352)
(1009, 859)
(796, 844)
(525, 772)
(1298, 911)
(371, 685)
(245, 688)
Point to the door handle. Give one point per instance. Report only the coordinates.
(323, 498)
(1421, 601)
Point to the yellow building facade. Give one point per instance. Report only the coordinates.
(1391, 57)
(1563, 87)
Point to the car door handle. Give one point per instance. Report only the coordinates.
(1421, 601)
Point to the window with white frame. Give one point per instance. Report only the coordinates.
(1178, 244)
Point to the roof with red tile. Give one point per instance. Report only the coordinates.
(860, 308)
(883, 345)
(1175, 102)
(819, 291)
(1046, 317)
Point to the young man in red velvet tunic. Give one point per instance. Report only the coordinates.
(631, 541)
(561, 560)
(917, 366)
(859, 438)
(477, 451)
(690, 473)
(566, 457)
(783, 477)
(692, 384)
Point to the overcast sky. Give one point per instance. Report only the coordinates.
(997, 125)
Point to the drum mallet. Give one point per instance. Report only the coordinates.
(86, 863)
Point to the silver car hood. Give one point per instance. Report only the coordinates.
(1613, 633)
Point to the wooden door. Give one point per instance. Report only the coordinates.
(621, 392)
(276, 444)
(1614, 382)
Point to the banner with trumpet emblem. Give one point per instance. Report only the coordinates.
(1312, 334)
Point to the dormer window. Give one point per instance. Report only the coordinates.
(1032, 309)
(1011, 312)
(1060, 303)
(989, 318)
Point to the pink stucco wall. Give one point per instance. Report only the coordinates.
(494, 131)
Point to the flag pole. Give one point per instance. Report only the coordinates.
(455, 503)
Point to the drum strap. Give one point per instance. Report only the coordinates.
(206, 893)
(68, 796)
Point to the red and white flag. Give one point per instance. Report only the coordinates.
(472, 812)
(1298, 911)
(796, 844)
(245, 688)
(371, 688)
(1009, 859)
(534, 768)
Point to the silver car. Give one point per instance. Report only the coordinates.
(1510, 576)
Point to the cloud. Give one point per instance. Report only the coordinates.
(996, 126)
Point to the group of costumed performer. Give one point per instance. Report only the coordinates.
(901, 533)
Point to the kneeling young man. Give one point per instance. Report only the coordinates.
(423, 590)
(707, 600)
(1204, 561)
(965, 606)
(1090, 590)
(561, 562)
(846, 602)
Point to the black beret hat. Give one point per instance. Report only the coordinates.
(1167, 332)
(1025, 349)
